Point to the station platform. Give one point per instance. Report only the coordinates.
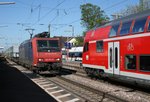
(16, 87)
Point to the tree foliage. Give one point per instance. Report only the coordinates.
(79, 40)
(92, 16)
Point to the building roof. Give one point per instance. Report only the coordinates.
(66, 39)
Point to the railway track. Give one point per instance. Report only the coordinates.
(76, 66)
(107, 89)
(87, 93)
(131, 92)
(78, 71)
(74, 88)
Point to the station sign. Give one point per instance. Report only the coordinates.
(68, 45)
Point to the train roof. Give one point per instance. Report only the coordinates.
(103, 31)
(37, 38)
(42, 35)
(45, 38)
(76, 49)
(99, 33)
(25, 41)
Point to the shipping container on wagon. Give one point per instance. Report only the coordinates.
(12, 52)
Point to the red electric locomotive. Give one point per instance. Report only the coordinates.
(120, 49)
(41, 53)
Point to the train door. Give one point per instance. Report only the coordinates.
(113, 57)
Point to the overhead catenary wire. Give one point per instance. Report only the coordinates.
(50, 11)
(110, 7)
(55, 8)
(116, 4)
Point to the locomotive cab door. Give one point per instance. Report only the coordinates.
(114, 58)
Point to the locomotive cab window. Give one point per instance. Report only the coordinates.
(144, 62)
(99, 46)
(139, 25)
(130, 62)
(114, 30)
(125, 28)
(86, 47)
(48, 46)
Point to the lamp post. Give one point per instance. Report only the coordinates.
(72, 30)
(6, 3)
(3, 26)
(49, 32)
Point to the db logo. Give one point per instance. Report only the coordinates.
(93, 32)
(130, 47)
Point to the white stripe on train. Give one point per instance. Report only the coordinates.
(123, 73)
(124, 37)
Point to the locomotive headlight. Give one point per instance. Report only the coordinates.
(40, 59)
(58, 59)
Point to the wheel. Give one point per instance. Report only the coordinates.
(35, 70)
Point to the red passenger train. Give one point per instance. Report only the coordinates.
(120, 49)
(41, 53)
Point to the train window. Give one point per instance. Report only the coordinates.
(64, 52)
(114, 30)
(125, 28)
(86, 47)
(47, 43)
(48, 46)
(71, 54)
(80, 54)
(111, 58)
(116, 57)
(130, 62)
(139, 25)
(149, 26)
(144, 62)
(99, 46)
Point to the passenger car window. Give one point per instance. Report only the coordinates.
(99, 46)
(114, 30)
(86, 47)
(144, 62)
(125, 28)
(139, 25)
(130, 62)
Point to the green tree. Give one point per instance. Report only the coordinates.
(92, 16)
(79, 41)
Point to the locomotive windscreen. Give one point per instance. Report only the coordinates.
(48, 46)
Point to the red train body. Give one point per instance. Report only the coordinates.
(120, 49)
(41, 54)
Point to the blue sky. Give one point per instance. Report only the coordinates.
(38, 14)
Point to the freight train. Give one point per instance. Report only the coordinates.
(120, 49)
(12, 53)
(41, 53)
